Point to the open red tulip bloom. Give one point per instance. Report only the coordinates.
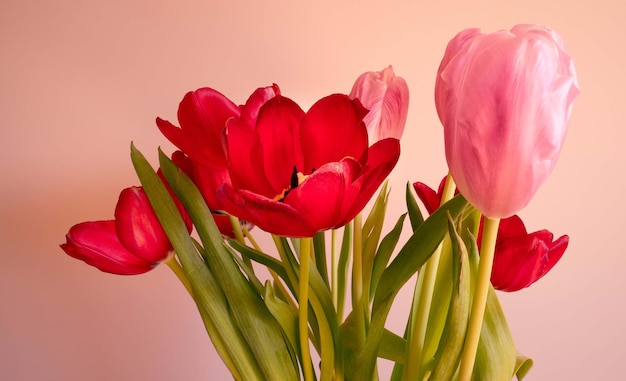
(520, 258)
(202, 115)
(296, 173)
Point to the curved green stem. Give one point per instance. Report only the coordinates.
(425, 289)
(303, 311)
(490, 232)
(180, 273)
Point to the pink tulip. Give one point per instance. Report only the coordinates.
(504, 99)
(386, 96)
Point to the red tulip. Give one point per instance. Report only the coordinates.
(131, 244)
(504, 99)
(97, 244)
(207, 182)
(520, 258)
(297, 173)
(202, 115)
(386, 96)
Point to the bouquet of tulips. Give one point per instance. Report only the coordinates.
(316, 306)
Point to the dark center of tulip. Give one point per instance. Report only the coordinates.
(296, 179)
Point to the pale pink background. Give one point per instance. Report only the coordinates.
(80, 79)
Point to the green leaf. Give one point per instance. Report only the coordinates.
(415, 215)
(329, 334)
(262, 332)
(342, 267)
(319, 250)
(264, 259)
(208, 295)
(284, 314)
(451, 344)
(392, 347)
(371, 232)
(522, 366)
(411, 257)
(386, 248)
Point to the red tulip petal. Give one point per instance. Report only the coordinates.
(322, 195)
(245, 159)
(278, 127)
(202, 115)
(511, 227)
(96, 243)
(138, 228)
(272, 216)
(428, 196)
(250, 111)
(556, 251)
(333, 129)
(518, 263)
(381, 159)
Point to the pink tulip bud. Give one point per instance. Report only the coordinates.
(504, 99)
(386, 96)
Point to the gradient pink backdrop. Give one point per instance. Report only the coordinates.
(80, 79)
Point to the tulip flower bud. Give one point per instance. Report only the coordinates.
(386, 96)
(138, 228)
(504, 99)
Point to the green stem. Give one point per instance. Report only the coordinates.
(303, 311)
(180, 273)
(234, 221)
(250, 238)
(334, 268)
(490, 232)
(357, 282)
(425, 289)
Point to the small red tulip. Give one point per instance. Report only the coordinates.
(520, 258)
(133, 243)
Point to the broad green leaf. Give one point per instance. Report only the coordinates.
(208, 295)
(453, 337)
(411, 257)
(284, 314)
(329, 334)
(392, 347)
(262, 332)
